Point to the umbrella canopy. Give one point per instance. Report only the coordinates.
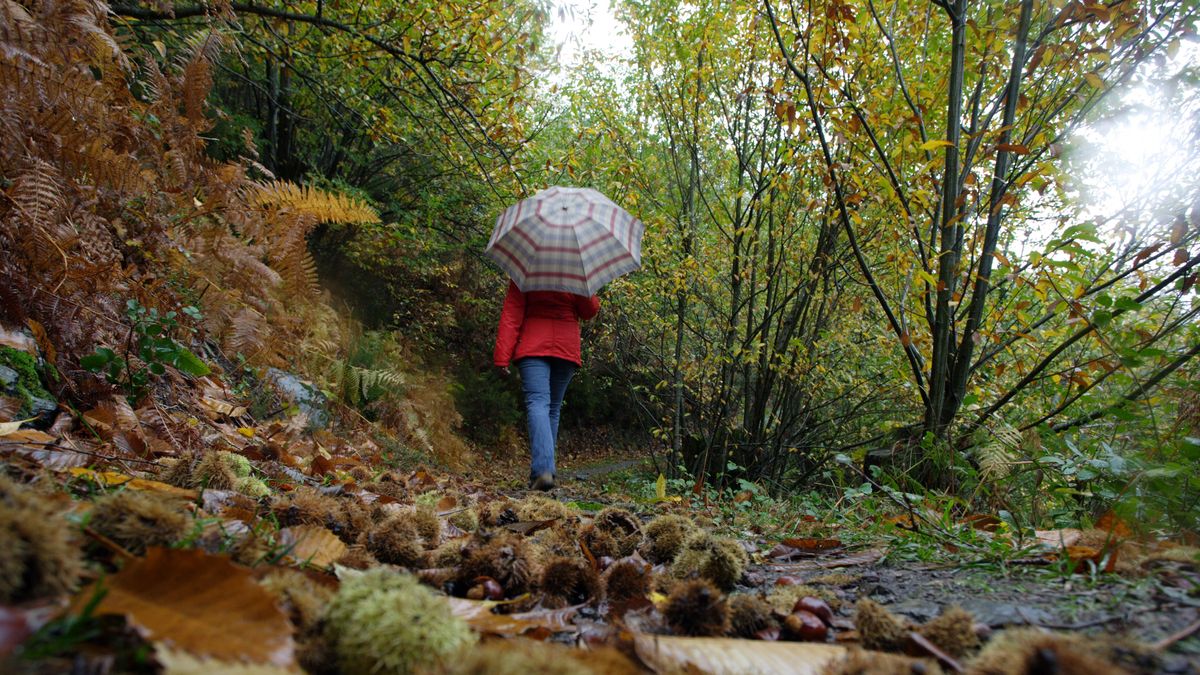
(566, 239)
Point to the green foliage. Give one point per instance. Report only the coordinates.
(491, 406)
(150, 340)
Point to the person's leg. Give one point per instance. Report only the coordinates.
(535, 382)
(561, 372)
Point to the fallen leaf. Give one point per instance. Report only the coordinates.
(1112, 524)
(528, 527)
(221, 407)
(1084, 558)
(18, 623)
(176, 662)
(202, 604)
(7, 428)
(807, 544)
(114, 479)
(716, 656)
(478, 614)
(312, 545)
(983, 522)
(1058, 538)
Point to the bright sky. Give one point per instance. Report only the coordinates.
(1133, 152)
(580, 25)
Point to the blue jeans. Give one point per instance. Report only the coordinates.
(544, 380)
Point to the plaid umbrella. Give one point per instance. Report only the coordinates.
(566, 239)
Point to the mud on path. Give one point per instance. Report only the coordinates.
(1147, 609)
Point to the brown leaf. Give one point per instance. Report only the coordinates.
(479, 615)
(809, 544)
(202, 604)
(528, 527)
(175, 662)
(984, 522)
(1114, 525)
(312, 545)
(1058, 538)
(1015, 148)
(716, 656)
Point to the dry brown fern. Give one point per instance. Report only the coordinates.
(323, 206)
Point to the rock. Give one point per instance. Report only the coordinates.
(997, 614)
(19, 379)
(919, 611)
(304, 395)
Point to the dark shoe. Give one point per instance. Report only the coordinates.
(544, 482)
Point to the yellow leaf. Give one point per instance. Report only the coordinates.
(246, 431)
(7, 428)
(1094, 80)
(933, 145)
(660, 487)
(110, 478)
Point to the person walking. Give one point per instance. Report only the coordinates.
(539, 332)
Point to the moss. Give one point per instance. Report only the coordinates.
(387, 623)
(39, 556)
(28, 385)
(253, 487)
(240, 465)
(137, 520)
(696, 609)
(663, 538)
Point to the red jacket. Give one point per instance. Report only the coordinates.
(541, 323)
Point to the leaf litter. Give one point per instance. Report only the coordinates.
(255, 530)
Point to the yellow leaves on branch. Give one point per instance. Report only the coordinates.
(324, 206)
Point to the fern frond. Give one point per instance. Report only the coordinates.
(997, 451)
(247, 333)
(326, 207)
(994, 460)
